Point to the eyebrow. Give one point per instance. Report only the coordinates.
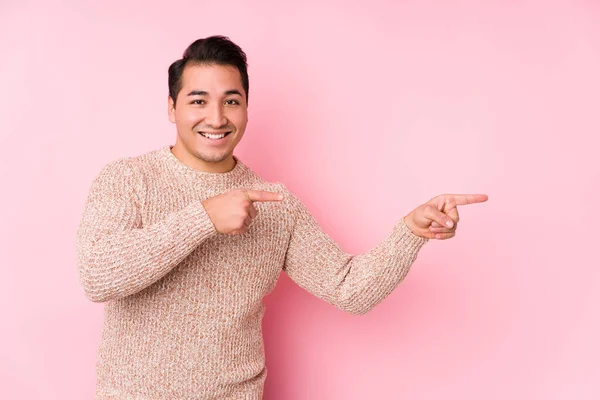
(205, 93)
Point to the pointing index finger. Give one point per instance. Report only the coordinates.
(261, 195)
(462, 199)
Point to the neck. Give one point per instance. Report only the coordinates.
(203, 166)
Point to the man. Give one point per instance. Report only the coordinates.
(182, 244)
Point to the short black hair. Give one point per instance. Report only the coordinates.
(218, 50)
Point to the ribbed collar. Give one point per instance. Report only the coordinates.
(237, 175)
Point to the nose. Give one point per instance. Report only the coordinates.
(215, 117)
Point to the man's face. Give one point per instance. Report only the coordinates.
(210, 104)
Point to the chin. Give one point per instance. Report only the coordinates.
(213, 157)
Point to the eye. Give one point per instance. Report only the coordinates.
(232, 102)
(198, 102)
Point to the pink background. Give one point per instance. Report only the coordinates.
(365, 110)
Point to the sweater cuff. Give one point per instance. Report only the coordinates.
(407, 240)
(203, 227)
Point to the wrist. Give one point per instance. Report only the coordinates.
(408, 222)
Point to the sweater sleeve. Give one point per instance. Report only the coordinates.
(116, 255)
(353, 283)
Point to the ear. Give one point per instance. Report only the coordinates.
(171, 109)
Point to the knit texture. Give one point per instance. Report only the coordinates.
(183, 304)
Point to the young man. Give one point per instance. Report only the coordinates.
(182, 244)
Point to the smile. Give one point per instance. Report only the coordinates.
(214, 136)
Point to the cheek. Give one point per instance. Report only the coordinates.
(188, 119)
(239, 119)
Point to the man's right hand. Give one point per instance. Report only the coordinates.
(231, 213)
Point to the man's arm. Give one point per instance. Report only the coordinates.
(353, 283)
(116, 255)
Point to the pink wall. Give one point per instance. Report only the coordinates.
(365, 110)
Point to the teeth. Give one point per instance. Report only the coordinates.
(211, 136)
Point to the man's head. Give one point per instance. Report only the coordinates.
(208, 98)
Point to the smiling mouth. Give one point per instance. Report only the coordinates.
(214, 136)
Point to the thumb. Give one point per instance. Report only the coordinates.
(435, 215)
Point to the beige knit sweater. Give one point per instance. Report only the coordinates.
(183, 312)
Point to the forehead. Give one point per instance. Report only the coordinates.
(219, 78)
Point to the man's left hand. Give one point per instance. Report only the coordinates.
(438, 218)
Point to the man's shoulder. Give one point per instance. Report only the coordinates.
(149, 159)
(130, 169)
(145, 160)
(291, 202)
(254, 181)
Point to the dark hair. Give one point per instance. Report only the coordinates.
(211, 50)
